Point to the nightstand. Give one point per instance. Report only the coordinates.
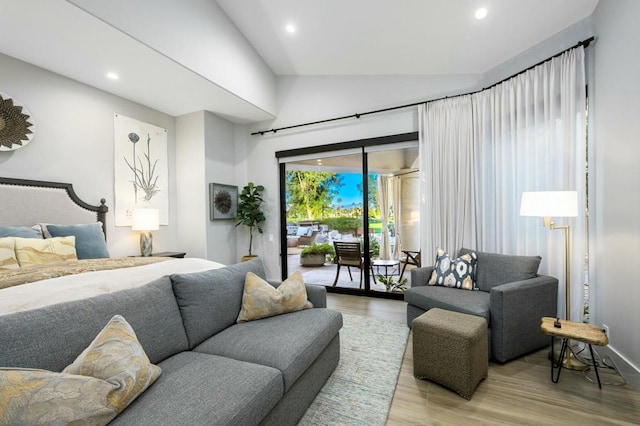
(176, 254)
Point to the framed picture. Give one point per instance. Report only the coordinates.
(223, 200)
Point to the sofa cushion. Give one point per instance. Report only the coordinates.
(303, 336)
(494, 269)
(457, 273)
(52, 337)
(202, 389)
(98, 385)
(450, 299)
(210, 301)
(261, 300)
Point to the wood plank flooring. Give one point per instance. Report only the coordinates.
(519, 392)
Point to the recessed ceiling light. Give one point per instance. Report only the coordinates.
(112, 76)
(481, 13)
(290, 28)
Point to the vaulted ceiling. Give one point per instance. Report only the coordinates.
(182, 56)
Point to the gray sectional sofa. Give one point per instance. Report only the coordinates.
(214, 371)
(512, 297)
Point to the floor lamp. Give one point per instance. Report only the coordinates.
(548, 204)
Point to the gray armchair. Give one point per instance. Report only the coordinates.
(512, 298)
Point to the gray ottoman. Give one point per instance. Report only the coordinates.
(450, 348)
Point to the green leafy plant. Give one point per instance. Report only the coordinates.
(249, 211)
(321, 249)
(391, 285)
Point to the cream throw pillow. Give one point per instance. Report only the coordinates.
(32, 251)
(104, 379)
(261, 300)
(7, 254)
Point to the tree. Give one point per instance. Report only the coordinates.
(311, 193)
(372, 191)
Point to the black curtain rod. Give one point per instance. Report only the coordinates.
(584, 43)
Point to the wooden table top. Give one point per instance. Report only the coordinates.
(587, 333)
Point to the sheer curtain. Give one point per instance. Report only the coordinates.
(447, 176)
(529, 135)
(396, 194)
(383, 198)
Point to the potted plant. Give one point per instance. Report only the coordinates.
(316, 254)
(391, 286)
(249, 212)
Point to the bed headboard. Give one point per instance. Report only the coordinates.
(27, 202)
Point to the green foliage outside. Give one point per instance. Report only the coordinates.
(391, 285)
(322, 249)
(344, 225)
(372, 192)
(310, 194)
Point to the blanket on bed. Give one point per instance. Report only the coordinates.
(32, 273)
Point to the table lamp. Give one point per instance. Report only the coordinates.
(548, 204)
(145, 220)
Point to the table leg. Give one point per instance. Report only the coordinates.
(595, 367)
(563, 350)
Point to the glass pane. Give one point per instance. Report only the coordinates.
(323, 209)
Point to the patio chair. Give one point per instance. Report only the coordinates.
(410, 258)
(348, 254)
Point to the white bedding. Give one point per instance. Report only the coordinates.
(75, 287)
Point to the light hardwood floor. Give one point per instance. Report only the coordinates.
(519, 392)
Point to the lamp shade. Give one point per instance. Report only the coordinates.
(145, 220)
(549, 204)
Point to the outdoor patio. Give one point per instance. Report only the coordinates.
(324, 275)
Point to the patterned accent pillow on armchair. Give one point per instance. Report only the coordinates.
(457, 273)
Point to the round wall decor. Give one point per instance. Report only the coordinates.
(17, 127)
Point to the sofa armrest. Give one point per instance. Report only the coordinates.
(420, 276)
(516, 309)
(316, 294)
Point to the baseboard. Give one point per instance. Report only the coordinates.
(630, 372)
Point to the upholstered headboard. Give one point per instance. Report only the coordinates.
(27, 202)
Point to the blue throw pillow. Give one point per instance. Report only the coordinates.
(19, 231)
(90, 243)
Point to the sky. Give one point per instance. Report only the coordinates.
(349, 189)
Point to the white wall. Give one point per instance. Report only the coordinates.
(74, 143)
(615, 175)
(220, 167)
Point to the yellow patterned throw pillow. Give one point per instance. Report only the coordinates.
(7, 254)
(261, 300)
(104, 379)
(32, 251)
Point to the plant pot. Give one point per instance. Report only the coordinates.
(248, 257)
(313, 260)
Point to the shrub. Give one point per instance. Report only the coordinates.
(315, 248)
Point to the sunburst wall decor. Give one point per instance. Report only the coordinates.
(17, 127)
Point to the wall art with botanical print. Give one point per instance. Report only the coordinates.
(223, 200)
(141, 169)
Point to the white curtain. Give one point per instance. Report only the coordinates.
(383, 199)
(529, 135)
(447, 176)
(396, 194)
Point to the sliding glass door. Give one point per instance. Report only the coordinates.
(343, 213)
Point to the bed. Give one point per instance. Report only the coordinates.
(52, 206)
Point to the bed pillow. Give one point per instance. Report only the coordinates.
(261, 300)
(457, 273)
(31, 251)
(90, 241)
(20, 231)
(94, 389)
(8, 254)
